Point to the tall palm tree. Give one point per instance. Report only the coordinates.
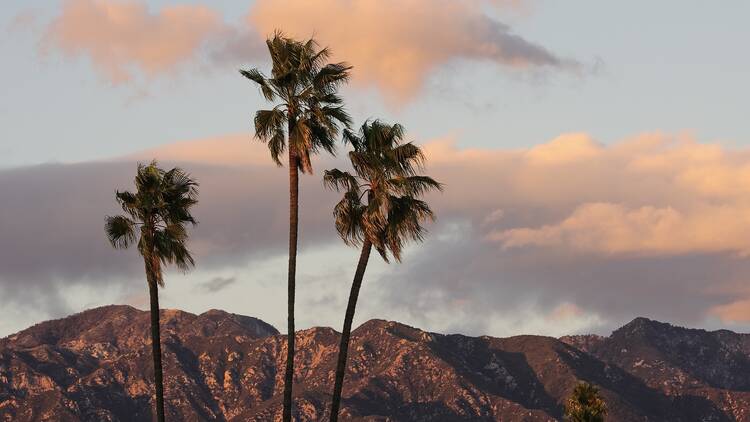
(307, 117)
(386, 172)
(156, 216)
(585, 404)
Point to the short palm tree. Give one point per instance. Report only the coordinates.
(585, 404)
(307, 117)
(155, 217)
(380, 208)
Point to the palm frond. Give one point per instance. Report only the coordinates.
(414, 185)
(120, 231)
(324, 138)
(330, 76)
(340, 180)
(259, 78)
(333, 117)
(180, 193)
(352, 138)
(269, 122)
(170, 247)
(128, 201)
(277, 146)
(348, 219)
(408, 157)
(405, 223)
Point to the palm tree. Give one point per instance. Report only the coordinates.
(307, 117)
(387, 174)
(585, 404)
(155, 217)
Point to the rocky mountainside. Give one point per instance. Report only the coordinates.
(96, 366)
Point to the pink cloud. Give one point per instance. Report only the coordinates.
(395, 44)
(122, 36)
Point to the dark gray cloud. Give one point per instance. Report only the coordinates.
(217, 283)
(237, 45)
(495, 41)
(52, 219)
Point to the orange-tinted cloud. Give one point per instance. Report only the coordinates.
(225, 150)
(653, 194)
(734, 312)
(122, 36)
(606, 228)
(395, 44)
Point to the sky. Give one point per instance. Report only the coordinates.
(596, 159)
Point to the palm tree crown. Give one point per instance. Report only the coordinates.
(159, 209)
(309, 114)
(387, 173)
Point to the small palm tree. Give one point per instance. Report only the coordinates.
(307, 117)
(585, 404)
(156, 216)
(386, 174)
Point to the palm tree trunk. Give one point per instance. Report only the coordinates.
(347, 330)
(293, 223)
(153, 288)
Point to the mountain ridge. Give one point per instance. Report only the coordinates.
(95, 365)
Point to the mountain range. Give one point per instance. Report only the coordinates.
(96, 366)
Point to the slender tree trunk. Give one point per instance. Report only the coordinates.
(347, 330)
(293, 222)
(153, 288)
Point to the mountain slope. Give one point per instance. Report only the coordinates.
(710, 367)
(96, 366)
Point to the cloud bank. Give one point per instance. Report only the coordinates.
(572, 231)
(395, 45)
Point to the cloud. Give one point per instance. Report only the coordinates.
(569, 148)
(228, 150)
(734, 312)
(394, 44)
(614, 229)
(218, 283)
(122, 36)
(570, 235)
(666, 196)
